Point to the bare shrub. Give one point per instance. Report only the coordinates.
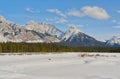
(92, 55)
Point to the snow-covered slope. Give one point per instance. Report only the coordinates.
(44, 28)
(114, 41)
(2, 39)
(71, 32)
(38, 32)
(75, 36)
(14, 33)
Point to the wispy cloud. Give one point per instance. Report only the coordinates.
(114, 21)
(118, 11)
(32, 10)
(118, 23)
(61, 20)
(56, 11)
(76, 13)
(117, 27)
(90, 11)
(78, 25)
(58, 20)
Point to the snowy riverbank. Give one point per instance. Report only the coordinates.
(60, 66)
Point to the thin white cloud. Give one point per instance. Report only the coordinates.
(61, 20)
(29, 9)
(118, 23)
(114, 21)
(58, 20)
(32, 10)
(95, 12)
(91, 11)
(78, 25)
(75, 13)
(62, 17)
(71, 25)
(118, 11)
(50, 19)
(117, 27)
(56, 11)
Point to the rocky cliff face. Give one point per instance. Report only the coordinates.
(12, 32)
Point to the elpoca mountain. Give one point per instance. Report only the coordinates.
(76, 37)
(43, 32)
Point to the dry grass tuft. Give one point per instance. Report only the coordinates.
(94, 55)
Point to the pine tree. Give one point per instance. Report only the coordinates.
(1, 49)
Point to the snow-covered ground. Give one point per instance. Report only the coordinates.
(60, 66)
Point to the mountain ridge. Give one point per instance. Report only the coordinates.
(114, 41)
(16, 33)
(41, 32)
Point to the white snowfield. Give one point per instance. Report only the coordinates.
(60, 66)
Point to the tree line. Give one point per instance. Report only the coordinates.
(51, 47)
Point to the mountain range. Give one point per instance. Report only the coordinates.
(34, 32)
(114, 41)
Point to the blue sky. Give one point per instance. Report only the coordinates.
(98, 18)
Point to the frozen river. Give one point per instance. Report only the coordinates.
(60, 66)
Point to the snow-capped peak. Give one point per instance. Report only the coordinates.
(2, 19)
(73, 30)
(43, 27)
(114, 40)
